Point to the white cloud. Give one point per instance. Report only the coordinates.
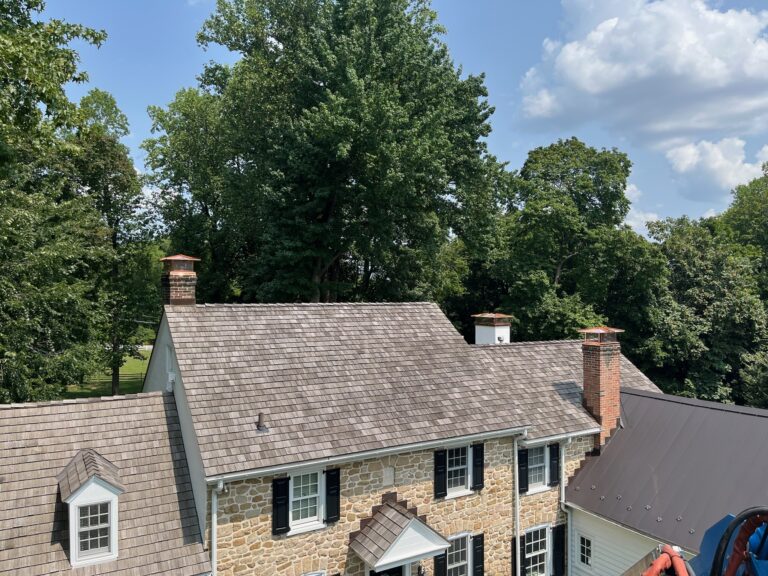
(724, 162)
(711, 213)
(633, 193)
(637, 219)
(657, 70)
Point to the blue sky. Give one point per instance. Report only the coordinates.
(680, 85)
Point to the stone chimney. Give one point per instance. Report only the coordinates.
(602, 377)
(178, 280)
(492, 328)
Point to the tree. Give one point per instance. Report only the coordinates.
(348, 143)
(106, 176)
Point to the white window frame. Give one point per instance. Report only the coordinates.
(467, 537)
(591, 540)
(548, 542)
(94, 491)
(314, 522)
(543, 486)
(458, 491)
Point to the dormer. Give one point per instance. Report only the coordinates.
(90, 486)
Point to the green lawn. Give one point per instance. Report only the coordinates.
(131, 380)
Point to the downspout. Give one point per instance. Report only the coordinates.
(563, 507)
(214, 522)
(517, 506)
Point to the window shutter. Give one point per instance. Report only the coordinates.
(522, 470)
(441, 473)
(478, 555)
(554, 464)
(523, 559)
(332, 500)
(280, 505)
(441, 564)
(514, 555)
(478, 466)
(558, 550)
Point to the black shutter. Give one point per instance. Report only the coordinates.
(523, 559)
(522, 470)
(554, 464)
(441, 564)
(514, 555)
(441, 473)
(280, 489)
(478, 466)
(332, 502)
(478, 555)
(558, 550)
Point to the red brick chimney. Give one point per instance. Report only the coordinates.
(178, 279)
(602, 377)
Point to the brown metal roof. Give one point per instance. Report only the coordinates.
(86, 464)
(676, 467)
(140, 434)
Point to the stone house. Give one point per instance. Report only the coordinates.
(352, 439)
(315, 439)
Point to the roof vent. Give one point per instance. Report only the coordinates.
(260, 424)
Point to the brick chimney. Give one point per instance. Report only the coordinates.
(492, 328)
(602, 377)
(178, 279)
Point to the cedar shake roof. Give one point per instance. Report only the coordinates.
(676, 467)
(86, 464)
(546, 381)
(331, 379)
(336, 379)
(381, 531)
(140, 434)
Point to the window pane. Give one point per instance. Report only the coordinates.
(457, 468)
(94, 528)
(536, 552)
(537, 466)
(304, 502)
(457, 558)
(585, 550)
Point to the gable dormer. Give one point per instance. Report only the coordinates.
(90, 486)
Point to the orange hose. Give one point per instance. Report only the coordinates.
(739, 550)
(669, 558)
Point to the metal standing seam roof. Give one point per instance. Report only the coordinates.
(677, 467)
(337, 379)
(86, 464)
(140, 435)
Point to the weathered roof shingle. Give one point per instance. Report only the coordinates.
(139, 435)
(86, 464)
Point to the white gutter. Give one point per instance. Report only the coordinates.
(562, 474)
(566, 436)
(344, 458)
(214, 522)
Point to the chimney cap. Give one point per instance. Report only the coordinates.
(600, 330)
(492, 319)
(180, 258)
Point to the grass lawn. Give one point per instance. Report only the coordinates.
(131, 380)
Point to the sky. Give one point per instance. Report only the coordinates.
(681, 86)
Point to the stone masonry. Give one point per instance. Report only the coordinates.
(246, 544)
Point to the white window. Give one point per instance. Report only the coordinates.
(458, 557)
(585, 550)
(93, 530)
(536, 552)
(459, 470)
(538, 467)
(306, 500)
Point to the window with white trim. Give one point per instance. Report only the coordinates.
(458, 469)
(538, 465)
(585, 550)
(307, 500)
(458, 557)
(536, 552)
(93, 533)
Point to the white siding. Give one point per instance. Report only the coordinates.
(162, 361)
(614, 548)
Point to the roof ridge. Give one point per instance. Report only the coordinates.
(92, 400)
(699, 403)
(305, 304)
(526, 343)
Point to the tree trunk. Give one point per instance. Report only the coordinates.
(116, 361)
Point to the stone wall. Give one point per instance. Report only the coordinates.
(246, 544)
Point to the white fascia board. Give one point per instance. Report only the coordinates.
(356, 456)
(556, 437)
(416, 542)
(93, 490)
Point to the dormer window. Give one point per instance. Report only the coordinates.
(90, 486)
